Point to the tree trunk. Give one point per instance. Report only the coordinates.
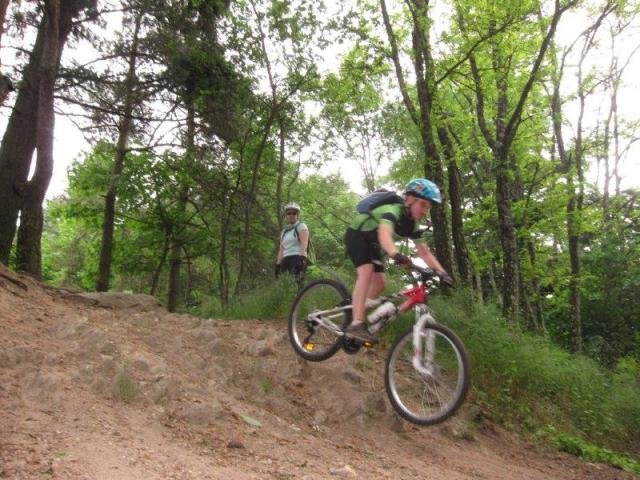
(455, 200)
(17, 148)
(4, 5)
(5, 83)
(575, 312)
(432, 165)
(509, 243)
(538, 319)
(156, 273)
(525, 305)
(493, 284)
(477, 280)
(175, 261)
(228, 207)
(250, 200)
(281, 172)
(223, 268)
(571, 164)
(28, 252)
(124, 131)
(177, 233)
(280, 181)
(500, 142)
(224, 279)
(422, 64)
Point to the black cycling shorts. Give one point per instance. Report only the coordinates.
(363, 248)
(295, 264)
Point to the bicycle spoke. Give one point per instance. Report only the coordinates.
(316, 319)
(433, 391)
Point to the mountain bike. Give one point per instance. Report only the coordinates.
(427, 368)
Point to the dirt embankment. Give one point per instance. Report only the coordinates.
(113, 387)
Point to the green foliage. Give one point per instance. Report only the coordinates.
(578, 447)
(610, 280)
(272, 299)
(521, 379)
(327, 208)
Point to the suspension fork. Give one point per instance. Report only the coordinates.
(423, 363)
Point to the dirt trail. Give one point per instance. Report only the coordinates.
(113, 387)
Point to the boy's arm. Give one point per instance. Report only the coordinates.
(385, 238)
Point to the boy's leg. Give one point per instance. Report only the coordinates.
(365, 274)
(377, 284)
(364, 253)
(358, 328)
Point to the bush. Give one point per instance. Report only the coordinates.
(271, 300)
(580, 448)
(522, 379)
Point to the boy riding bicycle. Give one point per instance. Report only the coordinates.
(372, 232)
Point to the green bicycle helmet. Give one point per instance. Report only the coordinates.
(425, 189)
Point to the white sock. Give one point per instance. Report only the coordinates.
(372, 302)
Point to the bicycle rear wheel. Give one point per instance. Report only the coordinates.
(427, 387)
(316, 318)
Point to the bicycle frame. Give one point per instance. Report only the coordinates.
(427, 367)
(323, 317)
(416, 296)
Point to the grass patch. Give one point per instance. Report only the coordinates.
(578, 447)
(523, 381)
(266, 385)
(271, 300)
(125, 387)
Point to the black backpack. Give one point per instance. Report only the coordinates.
(376, 199)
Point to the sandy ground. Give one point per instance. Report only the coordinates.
(113, 387)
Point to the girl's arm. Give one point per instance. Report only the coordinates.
(304, 242)
(280, 254)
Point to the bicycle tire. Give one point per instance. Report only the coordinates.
(309, 341)
(427, 398)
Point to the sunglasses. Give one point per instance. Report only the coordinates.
(292, 212)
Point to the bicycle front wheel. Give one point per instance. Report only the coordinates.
(317, 318)
(427, 385)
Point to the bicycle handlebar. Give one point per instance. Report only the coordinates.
(428, 273)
